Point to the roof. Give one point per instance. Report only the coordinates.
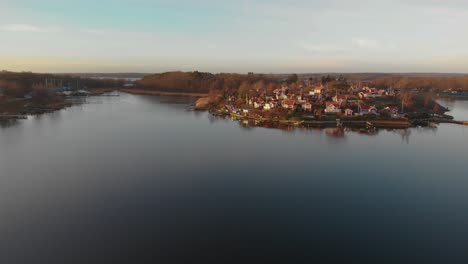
(367, 107)
(289, 102)
(337, 105)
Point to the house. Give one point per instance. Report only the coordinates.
(307, 107)
(373, 95)
(268, 106)
(288, 104)
(349, 112)
(259, 104)
(340, 98)
(332, 108)
(393, 111)
(277, 91)
(280, 94)
(369, 95)
(319, 90)
(365, 110)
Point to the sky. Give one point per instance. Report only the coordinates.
(269, 36)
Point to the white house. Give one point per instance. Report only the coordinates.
(349, 112)
(319, 90)
(332, 108)
(307, 107)
(258, 105)
(288, 104)
(268, 106)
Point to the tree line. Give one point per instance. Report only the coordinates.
(19, 84)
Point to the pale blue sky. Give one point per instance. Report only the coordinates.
(234, 36)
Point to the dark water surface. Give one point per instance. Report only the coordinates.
(135, 179)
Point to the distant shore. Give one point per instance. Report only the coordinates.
(150, 92)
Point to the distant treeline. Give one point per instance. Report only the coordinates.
(424, 81)
(22, 83)
(434, 82)
(206, 82)
(199, 82)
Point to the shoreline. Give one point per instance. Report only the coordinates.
(367, 123)
(149, 92)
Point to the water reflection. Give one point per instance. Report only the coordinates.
(8, 123)
(130, 172)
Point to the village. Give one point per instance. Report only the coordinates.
(317, 101)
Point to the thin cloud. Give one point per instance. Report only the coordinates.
(365, 43)
(25, 28)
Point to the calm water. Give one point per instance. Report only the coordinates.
(130, 178)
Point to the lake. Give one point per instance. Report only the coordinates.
(137, 179)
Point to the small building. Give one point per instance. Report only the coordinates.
(365, 110)
(268, 106)
(333, 108)
(340, 98)
(319, 90)
(288, 104)
(349, 112)
(259, 104)
(307, 107)
(392, 109)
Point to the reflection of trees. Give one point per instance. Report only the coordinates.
(8, 123)
(405, 134)
(337, 132)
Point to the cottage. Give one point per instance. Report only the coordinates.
(288, 104)
(259, 104)
(307, 107)
(277, 91)
(319, 90)
(393, 111)
(268, 106)
(349, 112)
(332, 108)
(280, 94)
(365, 110)
(340, 98)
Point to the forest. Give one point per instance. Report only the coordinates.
(19, 84)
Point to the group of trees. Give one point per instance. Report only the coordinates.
(198, 82)
(425, 82)
(16, 84)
